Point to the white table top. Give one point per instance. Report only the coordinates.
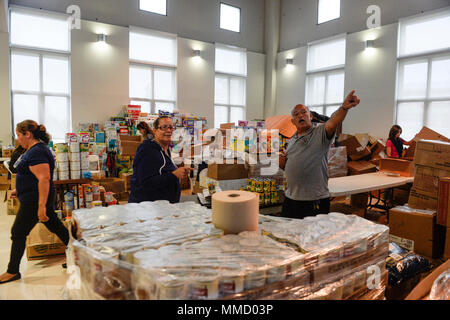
(348, 185)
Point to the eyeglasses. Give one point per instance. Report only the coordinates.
(166, 127)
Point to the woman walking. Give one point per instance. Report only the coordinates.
(36, 193)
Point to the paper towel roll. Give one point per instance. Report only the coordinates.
(235, 211)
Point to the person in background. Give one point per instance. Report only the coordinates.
(394, 145)
(145, 131)
(394, 149)
(155, 176)
(36, 193)
(15, 155)
(306, 161)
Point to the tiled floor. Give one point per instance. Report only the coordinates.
(41, 279)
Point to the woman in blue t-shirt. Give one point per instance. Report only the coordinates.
(36, 193)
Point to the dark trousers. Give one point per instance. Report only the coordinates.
(300, 209)
(26, 219)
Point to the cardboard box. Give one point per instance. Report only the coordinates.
(422, 290)
(7, 153)
(418, 200)
(126, 137)
(13, 181)
(433, 153)
(359, 200)
(115, 185)
(352, 144)
(360, 167)
(403, 167)
(227, 171)
(360, 155)
(376, 148)
(41, 243)
(129, 148)
(5, 184)
(3, 169)
(427, 134)
(126, 177)
(419, 227)
(227, 125)
(197, 188)
(426, 180)
(443, 207)
(401, 195)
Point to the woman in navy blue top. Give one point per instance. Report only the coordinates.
(155, 176)
(36, 193)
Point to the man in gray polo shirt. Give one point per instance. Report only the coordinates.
(306, 161)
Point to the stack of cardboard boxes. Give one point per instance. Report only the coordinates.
(443, 212)
(416, 223)
(363, 151)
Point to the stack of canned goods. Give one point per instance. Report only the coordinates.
(266, 188)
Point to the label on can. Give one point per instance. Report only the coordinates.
(266, 198)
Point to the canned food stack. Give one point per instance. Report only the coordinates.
(69, 203)
(266, 188)
(62, 161)
(75, 160)
(84, 158)
(158, 250)
(87, 196)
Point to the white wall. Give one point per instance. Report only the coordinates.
(299, 18)
(290, 80)
(372, 73)
(255, 85)
(195, 79)
(100, 77)
(5, 94)
(191, 19)
(99, 72)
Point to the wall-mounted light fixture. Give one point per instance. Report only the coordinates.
(197, 53)
(289, 61)
(101, 37)
(369, 44)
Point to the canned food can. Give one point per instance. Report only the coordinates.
(74, 147)
(172, 290)
(249, 184)
(254, 279)
(232, 284)
(273, 185)
(68, 205)
(89, 205)
(62, 157)
(89, 197)
(96, 203)
(274, 197)
(61, 148)
(261, 198)
(75, 174)
(203, 288)
(59, 214)
(211, 187)
(276, 273)
(259, 186)
(109, 197)
(266, 185)
(266, 198)
(75, 165)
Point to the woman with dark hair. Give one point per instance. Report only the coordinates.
(394, 145)
(144, 130)
(36, 192)
(155, 176)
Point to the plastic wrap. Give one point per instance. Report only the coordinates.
(337, 162)
(157, 250)
(441, 287)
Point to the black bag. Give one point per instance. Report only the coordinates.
(403, 264)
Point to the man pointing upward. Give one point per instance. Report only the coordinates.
(306, 161)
